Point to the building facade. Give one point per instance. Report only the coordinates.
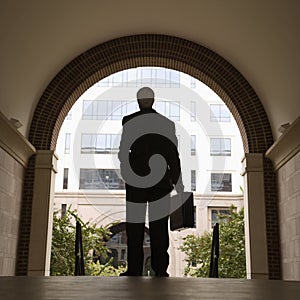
(209, 144)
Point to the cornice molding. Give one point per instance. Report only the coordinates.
(14, 143)
(287, 146)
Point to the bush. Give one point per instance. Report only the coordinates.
(63, 243)
(232, 260)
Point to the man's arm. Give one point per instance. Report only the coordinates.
(174, 163)
(122, 154)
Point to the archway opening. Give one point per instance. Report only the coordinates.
(209, 144)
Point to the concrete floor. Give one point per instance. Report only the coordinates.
(55, 288)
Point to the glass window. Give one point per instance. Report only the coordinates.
(224, 113)
(116, 110)
(146, 76)
(131, 107)
(220, 147)
(66, 178)
(86, 143)
(219, 113)
(115, 142)
(67, 143)
(193, 180)
(97, 179)
(174, 111)
(174, 78)
(216, 213)
(100, 143)
(87, 110)
(118, 78)
(168, 109)
(63, 210)
(161, 107)
(105, 109)
(160, 78)
(221, 182)
(193, 145)
(155, 77)
(132, 78)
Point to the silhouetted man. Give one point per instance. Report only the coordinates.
(150, 166)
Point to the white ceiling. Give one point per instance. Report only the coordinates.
(259, 37)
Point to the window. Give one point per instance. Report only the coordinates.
(220, 147)
(123, 251)
(107, 109)
(161, 107)
(168, 109)
(221, 182)
(174, 112)
(219, 113)
(63, 210)
(193, 145)
(193, 111)
(193, 180)
(67, 143)
(195, 216)
(100, 143)
(154, 77)
(174, 78)
(215, 215)
(65, 179)
(98, 179)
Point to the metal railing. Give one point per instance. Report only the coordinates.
(79, 259)
(214, 256)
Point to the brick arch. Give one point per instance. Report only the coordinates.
(164, 51)
(151, 50)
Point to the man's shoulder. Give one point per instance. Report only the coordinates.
(166, 121)
(129, 117)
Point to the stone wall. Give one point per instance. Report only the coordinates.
(11, 179)
(15, 152)
(285, 154)
(289, 210)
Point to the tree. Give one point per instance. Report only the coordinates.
(232, 260)
(63, 243)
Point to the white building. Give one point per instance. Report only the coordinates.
(209, 142)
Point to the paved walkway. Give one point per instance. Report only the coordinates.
(138, 288)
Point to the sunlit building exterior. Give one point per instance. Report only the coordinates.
(209, 143)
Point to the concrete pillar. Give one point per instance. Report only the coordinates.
(42, 212)
(255, 217)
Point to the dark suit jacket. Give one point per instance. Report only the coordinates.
(159, 138)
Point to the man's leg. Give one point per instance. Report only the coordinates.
(135, 253)
(135, 225)
(159, 234)
(159, 237)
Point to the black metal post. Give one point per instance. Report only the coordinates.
(214, 256)
(79, 260)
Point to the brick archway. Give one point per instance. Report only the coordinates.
(164, 51)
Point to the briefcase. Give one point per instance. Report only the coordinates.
(182, 211)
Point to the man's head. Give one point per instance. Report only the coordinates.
(145, 97)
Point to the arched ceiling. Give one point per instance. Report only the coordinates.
(259, 38)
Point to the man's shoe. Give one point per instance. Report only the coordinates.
(127, 273)
(162, 274)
